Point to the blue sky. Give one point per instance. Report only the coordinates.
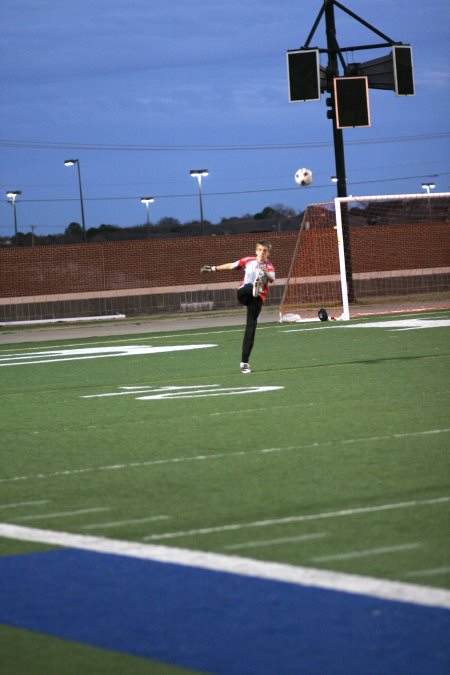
(143, 91)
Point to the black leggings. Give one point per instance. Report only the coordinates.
(254, 306)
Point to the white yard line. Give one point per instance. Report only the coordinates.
(62, 514)
(119, 523)
(18, 504)
(297, 519)
(432, 572)
(303, 576)
(228, 455)
(366, 553)
(274, 542)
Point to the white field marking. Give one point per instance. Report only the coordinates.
(296, 519)
(147, 388)
(61, 514)
(368, 553)
(119, 523)
(13, 506)
(125, 338)
(432, 572)
(273, 542)
(203, 393)
(405, 324)
(301, 576)
(190, 391)
(227, 455)
(92, 353)
(395, 324)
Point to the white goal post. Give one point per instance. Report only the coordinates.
(366, 255)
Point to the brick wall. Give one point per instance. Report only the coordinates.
(163, 275)
(395, 247)
(104, 266)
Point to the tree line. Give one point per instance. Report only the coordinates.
(274, 218)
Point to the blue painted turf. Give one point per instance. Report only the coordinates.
(218, 622)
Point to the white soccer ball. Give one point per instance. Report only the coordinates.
(303, 177)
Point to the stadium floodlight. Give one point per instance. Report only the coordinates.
(147, 201)
(72, 162)
(12, 196)
(428, 187)
(199, 173)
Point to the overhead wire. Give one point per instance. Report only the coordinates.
(56, 145)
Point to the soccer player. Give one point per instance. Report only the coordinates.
(258, 273)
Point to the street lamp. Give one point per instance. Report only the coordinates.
(428, 187)
(12, 196)
(334, 179)
(199, 173)
(147, 201)
(71, 162)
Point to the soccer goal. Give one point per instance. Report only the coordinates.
(358, 256)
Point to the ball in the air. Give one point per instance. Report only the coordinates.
(303, 177)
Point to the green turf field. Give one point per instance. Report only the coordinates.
(331, 454)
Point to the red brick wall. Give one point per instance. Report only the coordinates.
(75, 268)
(45, 270)
(398, 247)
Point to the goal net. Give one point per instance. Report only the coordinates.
(357, 256)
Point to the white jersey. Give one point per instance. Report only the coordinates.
(252, 269)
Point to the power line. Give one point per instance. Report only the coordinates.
(228, 193)
(54, 145)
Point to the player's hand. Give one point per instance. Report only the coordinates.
(208, 268)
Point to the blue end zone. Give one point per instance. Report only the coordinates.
(218, 622)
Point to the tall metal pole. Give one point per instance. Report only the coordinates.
(332, 72)
(71, 162)
(83, 224)
(201, 200)
(15, 221)
(199, 173)
(147, 201)
(12, 195)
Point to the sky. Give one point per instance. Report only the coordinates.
(143, 91)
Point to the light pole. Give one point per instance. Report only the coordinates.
(12, 196)
(147, 201)
(71, 162)
(199, 173)
(428, 187)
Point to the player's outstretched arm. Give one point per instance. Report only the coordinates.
(217, 268)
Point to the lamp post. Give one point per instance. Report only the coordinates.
(147, 201)
(71, 162)
(12, 196)
(199, 173)
(428, 187)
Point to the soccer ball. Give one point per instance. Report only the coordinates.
(303, 177)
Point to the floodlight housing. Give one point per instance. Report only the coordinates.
(199, 172)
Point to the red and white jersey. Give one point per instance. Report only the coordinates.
(251, 271)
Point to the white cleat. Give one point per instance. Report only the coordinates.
(245, 368)
(258, 284)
